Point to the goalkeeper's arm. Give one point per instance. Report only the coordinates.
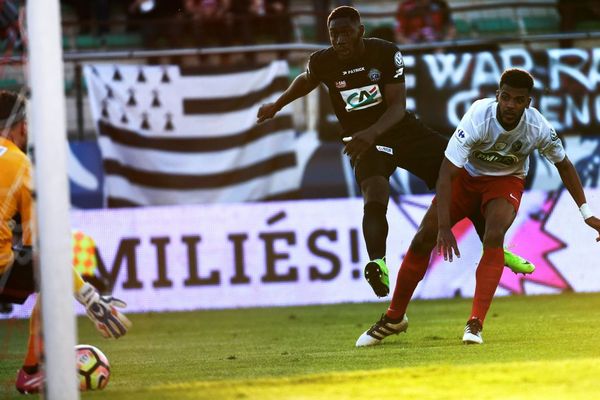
(102, 310)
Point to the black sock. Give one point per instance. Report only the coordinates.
(375, 229)
(31, 369)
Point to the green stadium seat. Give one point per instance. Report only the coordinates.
(369, 26)
(3, 45)
(542, 24)
(295, 71)
(10, 84)
(308, 33)
(66, 42)
(463, 28)
(111, 40)
(87, 42)
(588, 26)
(495, 26)
(123, 40)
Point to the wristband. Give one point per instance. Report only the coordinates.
(585, 211)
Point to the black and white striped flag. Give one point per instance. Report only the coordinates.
(170, 135)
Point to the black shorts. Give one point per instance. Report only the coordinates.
(18, 282)
(411, 146)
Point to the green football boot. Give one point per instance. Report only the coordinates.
(517, 264)
(378, 276)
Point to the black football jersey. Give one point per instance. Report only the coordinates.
(356, 87)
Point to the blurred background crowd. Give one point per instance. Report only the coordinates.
(202, 23)
(209, 28)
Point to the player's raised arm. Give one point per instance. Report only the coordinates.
(300, 87)
(570, 178)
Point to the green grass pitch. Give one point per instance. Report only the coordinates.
(540, 347)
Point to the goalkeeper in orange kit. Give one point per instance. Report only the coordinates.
(17, 279)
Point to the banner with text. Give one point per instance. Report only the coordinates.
(312, 252)
(566, 91)
(441, 87)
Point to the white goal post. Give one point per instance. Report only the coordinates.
(47, 126)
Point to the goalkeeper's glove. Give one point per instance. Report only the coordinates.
(103, 312)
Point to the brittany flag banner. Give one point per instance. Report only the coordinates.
(171, 135)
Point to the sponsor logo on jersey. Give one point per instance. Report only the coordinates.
(499, 146)
(460, 134)
(553, 135)
(362, 97)
(340, 84)
(385, 149)
(353, 71)
(399, 72)
(398, 60)
(516, 146)
(493, 157)
(374, 75)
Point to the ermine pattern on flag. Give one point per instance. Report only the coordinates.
(171, 135)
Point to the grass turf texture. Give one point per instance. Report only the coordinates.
(535, 348)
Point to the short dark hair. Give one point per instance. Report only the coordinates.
(517, 78)
(344, 12)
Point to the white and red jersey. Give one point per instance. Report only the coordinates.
(483, 147)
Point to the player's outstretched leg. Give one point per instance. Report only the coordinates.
(472, 333)
(517, 264)
(378, 276)
(382, 329)
(29, 383)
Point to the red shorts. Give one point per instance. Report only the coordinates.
(470, 194)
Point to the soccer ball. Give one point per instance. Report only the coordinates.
(93, 367)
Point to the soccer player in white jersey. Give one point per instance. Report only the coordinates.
(484, 168)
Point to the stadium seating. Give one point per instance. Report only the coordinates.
(463, 28)
(295, 70)
(307, 33)
(495, 26)
(123, 40)
(587, 26)
(10, 84)
(542, 24)
(111, 41)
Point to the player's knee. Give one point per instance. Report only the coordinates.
(494, 237)
(375, 189)
(423, 241)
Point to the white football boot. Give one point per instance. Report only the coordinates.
(473, 332)
(382, 329)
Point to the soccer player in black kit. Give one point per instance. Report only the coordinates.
(365, 78)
